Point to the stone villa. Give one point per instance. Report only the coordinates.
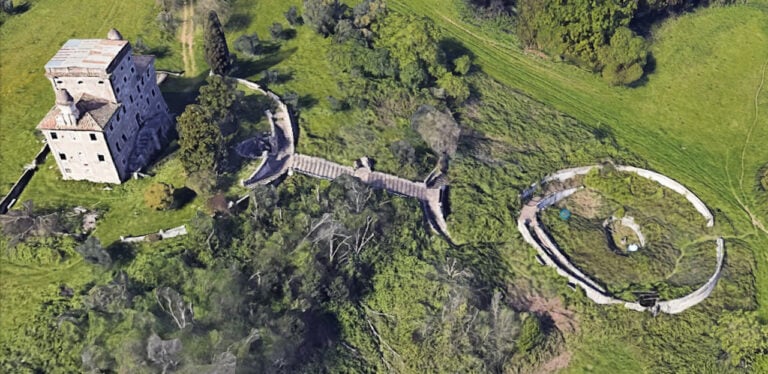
(110, 118)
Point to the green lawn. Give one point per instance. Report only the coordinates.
(695, 119)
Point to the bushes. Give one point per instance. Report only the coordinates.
(159, 196)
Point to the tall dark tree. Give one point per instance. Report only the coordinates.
(200, 140)
(216, 51)
(220, 98)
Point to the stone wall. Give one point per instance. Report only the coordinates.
(551, 255)
(163, 234)
(13, 194)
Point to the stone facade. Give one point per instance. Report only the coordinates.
(110, 118)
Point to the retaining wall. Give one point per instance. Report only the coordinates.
(552, 256)
(13, 194)
(164, 234)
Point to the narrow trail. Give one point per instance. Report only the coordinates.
(187, 38)
(755, 221)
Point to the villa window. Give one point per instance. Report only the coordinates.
(54, 136)
(117, 145)
(93, 137)
(132, 70)
(100, 157)
(153, 92)
(123, 108)
(131, 97)
(117, 90)
(125, 79)
(62, 157)
(101, 82)
(124, 138)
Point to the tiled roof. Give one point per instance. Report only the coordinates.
(94, 115)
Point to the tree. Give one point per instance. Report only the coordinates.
(167, 23)
(220, 99)
(276, 31)
(624, 58)
(164, 352)
(411, 39)
(93, 252)
(159, 196)
(403, 151)
(454, 86)
(462, 64)
(172, 303)
(7, 6)
(249, 45)
(439, 130)
(292, 16)
(200, 141)
(764, 180)
(321, 15)
(215, 45)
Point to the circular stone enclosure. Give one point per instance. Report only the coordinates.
(567, 183)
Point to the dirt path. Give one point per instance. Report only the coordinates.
(187, 38)
(755, 221)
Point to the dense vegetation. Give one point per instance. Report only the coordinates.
(287, 286)
(599, 35)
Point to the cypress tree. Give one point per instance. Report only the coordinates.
(216, 51)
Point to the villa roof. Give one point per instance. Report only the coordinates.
(86, 56)
(95, 113)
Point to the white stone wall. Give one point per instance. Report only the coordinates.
(82, 156)
(553, 256)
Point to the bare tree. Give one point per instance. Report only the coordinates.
(163, 352)
(171, 302)
(363, 235)
(329, 231)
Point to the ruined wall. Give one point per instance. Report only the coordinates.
(552, 256)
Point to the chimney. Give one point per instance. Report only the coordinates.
(68, 111)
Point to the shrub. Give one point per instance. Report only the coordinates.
(159, 196)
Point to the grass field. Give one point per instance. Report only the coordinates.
(699, 118)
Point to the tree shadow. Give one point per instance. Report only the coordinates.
(121, 253)
(21, 8)
(307, 101)
(181, 91)
(453, 48)
(182, 196)
(159, 51)
(251, 67)
(648, 69)
(238, 22)
(288, 34)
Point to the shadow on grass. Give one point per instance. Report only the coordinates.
(249, 68)
(239, 21)
(182, 196)
(182, 91)
(19, 9)
(121, 253)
